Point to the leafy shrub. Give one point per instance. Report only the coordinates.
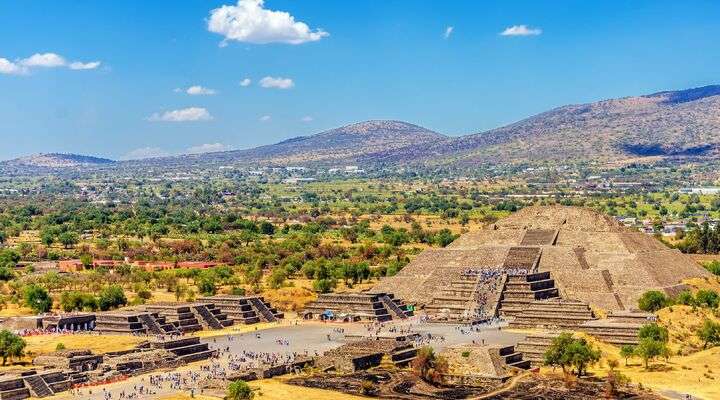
(652, 301)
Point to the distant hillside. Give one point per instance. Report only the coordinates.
(670, 124)
(355, 142)
(56, 160)
(683, 123)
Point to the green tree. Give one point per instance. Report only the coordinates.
(429, 366)
(649, 348)
(11, 345)
(266, 228)
(47, 238)
(567, 351)
(709, 333)
(239, 390)
(654, 332)
(652, 301)
(37, 298)
(112, 296)
(277, 277)
(68, 239)
(626, 352)
(206, 285)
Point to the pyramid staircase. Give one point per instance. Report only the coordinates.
(469, 298)
(521, 290)
(151, 324)
(513, 358)
(534, 346)
(392, 306)
(244, 309)
(207, 318)
(37, 385)
(260, 307)
(553, 313)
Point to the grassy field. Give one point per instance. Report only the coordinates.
(697, 374)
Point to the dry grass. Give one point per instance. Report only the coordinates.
(712, 283)
(682, 323)
(13, 310)
(97, 343)
(45, 344)
(697, 374)
(289, 298)
(276, 389)
(235, 329)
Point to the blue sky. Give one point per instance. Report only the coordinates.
(325, 64)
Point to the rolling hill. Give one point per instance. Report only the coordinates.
(57, 160)
(671, 124)
(675, 124)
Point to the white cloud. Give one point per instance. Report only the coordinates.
(265, 118)
(249, 22)
(276, 83)
(198, 90)
(182, 115)
(9, 67)
(145, 152)
(245, 82)
(79, 66)
(306, 118)
(45, 60)
(207, 148)
(521, 30)
(448, 31)
(42, 60)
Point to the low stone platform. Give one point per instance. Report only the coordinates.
(245, 309)
(365, 354)
(357, 306)
(190, 317)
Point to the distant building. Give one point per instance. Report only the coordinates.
(700, 190)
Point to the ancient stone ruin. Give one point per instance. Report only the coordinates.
(245, 309)
(356, 307)
(542, 266)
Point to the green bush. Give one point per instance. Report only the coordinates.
(112, 297)
(654, 332)
(707, 298)
(652, 301)
(37, 298)
(709, 333)
(239, 390)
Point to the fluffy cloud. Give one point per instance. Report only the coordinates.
(248, 21)
(198, 90)
(521, 30)
(207, 148)
(9, 67)
(306, 118)
(42, 60)
(265, 118)
(182, 115)
(448, 31)
(276, 83)
(145, 152)
(45, 60)
(79, 66)
(245, 82)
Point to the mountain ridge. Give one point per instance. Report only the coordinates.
(666, 124)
